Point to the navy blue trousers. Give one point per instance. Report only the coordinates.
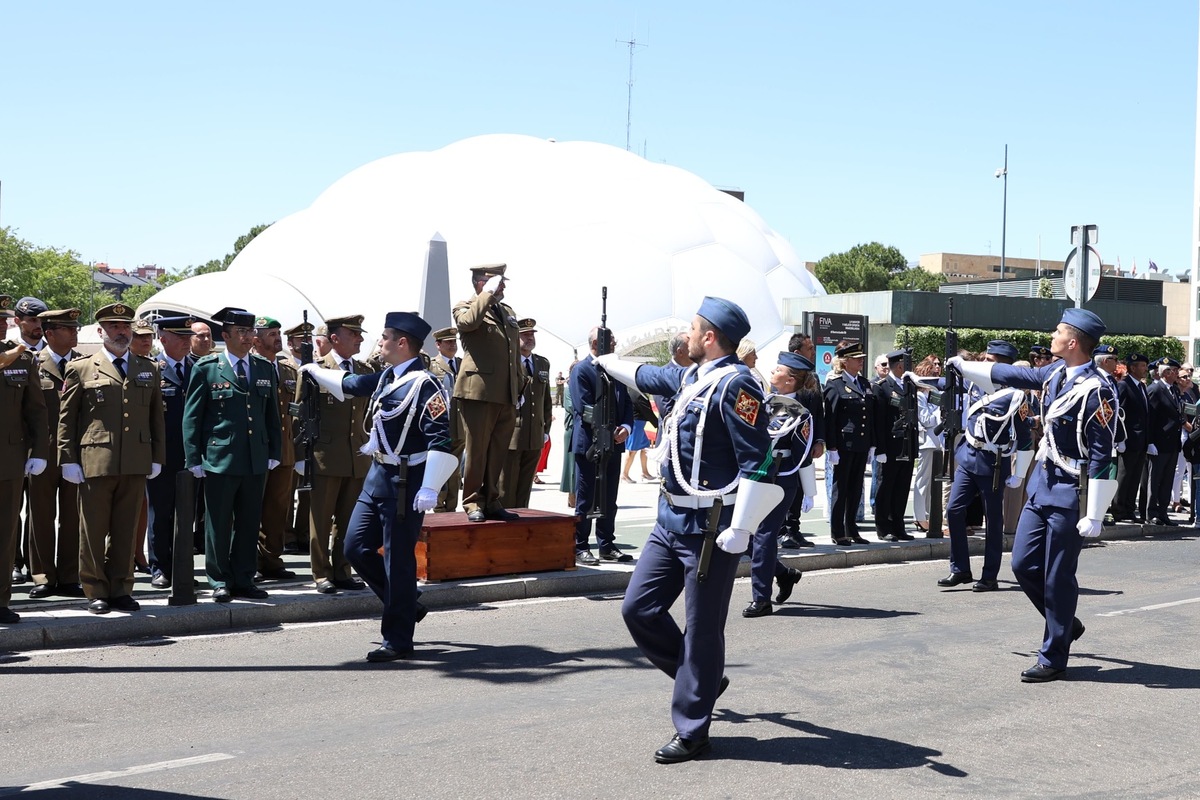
(393, 575)
(965, 488)
(891, 500)
(1044, 559)
(160, 536)
(694, 657)
(585, 488)
(764, 544)
(847, 493)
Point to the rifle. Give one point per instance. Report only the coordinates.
(306, 412)
(952, 398)
(711, 527)
(602, 416)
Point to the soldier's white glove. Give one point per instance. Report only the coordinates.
(299, 467)
(155, 469)
(733, 540)
(1089, 528)
(328, 379)
(882, 459)
(832, 458)
(425, 500)
(1120, 447)
(493, 284)
(806, 504)
(545, 438)
(1099, 497)
(956, 362)
(35, 466)
(617, 369)
(72, 473)
(197, 472)
(871, 455)
(271, 464)
(1151, 450)
(1012, 481)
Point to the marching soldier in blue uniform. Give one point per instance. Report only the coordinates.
(849, 441)
(995, 426)
(1072, 483)
(411, 456)
(794, 430)
(715, 480)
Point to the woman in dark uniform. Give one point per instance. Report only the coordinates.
(849, 411)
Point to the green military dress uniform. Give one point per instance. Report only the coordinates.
(232, 430)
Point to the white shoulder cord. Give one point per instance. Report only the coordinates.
(1062, 404)
(707, 386)
(980, 440)
(787, 429)
(378, 439)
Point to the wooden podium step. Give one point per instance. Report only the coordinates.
(450, 547)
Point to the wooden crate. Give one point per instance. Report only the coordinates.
(450, 547)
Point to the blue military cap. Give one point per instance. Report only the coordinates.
(234, 316)
(1040, 350)
(409, 322)
(896, 355)
(726, 316)
(1167, 361)
(1105, 350)
(850, 350)
(795, 361)
(178, 325)
(1136, 358)
(1085, 321)
(999, 347)
(30, 307)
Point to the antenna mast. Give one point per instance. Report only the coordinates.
(632, 43)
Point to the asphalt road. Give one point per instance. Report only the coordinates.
(871, 683)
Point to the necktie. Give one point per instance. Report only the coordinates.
(62, 366)
(453, 367)
(241, 373)
(529, 367)
(345, 365)
(119, 363)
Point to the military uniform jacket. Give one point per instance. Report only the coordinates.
(736, 442)
(341, 433)
(111, 425)
(23, 418)
(289, 380)
(792, 435)
(1079, 420)
(585, 383)
(1135, 406)
(174, 393)
(996, 433)
(227, 428)
(536, 414)
(411, 399)
(849, 414)
(51, 378)
(491, 362)
(445, 373)
(1165, 417)
(890, 397)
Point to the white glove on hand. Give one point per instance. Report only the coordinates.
(806, 504)
(832, 458)
(493, 284)
(309, 367)
(733, 540)
(1089, 528)
(882, 459)
(271, 464)
(871, 455)
(425, 500)
(197, 472)
(1120, 447)
(955, 361)
(155, 469)
(1151, 450)
(1012, 481)
(545, 438)
(35, 466)
(299, 467)
(72, 473)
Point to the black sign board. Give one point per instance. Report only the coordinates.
(827, 330)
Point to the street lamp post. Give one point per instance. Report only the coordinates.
(1003, 173)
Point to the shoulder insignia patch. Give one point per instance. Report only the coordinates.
(747, 407)
(1104, 413)
(1024, 411)
(436, 405)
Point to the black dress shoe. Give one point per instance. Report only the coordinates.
(1077, 629)
(859, 540)
(501, 514)
(802, 542)
(724, 685)
(8, 616)
(476, 516)
(1041, 673)
(69, 590)
(613, 554)
(787, 582)
(326, 587)
(419, 612)
(98, 606)
(843, 542)
(43, 590)
(678, 750)
(349, 584)
(160, 581)
(955, 578)
(584, 558)
(388, 654)
(985, 585)
(788, 542)
(124, 603)
(250, 593)
(222, 595)
(758, 608)
(17, 576)
(904, 536)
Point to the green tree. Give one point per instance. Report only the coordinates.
(57, 277)
(872, 267)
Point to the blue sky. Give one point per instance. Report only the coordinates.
(158, 132)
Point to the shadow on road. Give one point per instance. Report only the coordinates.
(1136, 673)
(96, 791)
(825, 747)
(840, 612)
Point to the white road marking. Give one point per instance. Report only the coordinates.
(97, 777)
(1125, 611)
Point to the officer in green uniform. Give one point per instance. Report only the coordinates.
(231, 438)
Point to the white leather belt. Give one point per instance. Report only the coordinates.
(412, 461)
(781, 453)
(688, 501)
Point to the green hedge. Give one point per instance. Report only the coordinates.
(927, 340)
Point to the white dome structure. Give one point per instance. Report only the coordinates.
(567, 218)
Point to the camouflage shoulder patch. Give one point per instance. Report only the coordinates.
(746, 406)
(435, 406)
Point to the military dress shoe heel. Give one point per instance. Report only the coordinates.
(69, 590)
(843, 542)
(789, 542)
(420, 612)
(8, 616)
(584, 558)
(43, 590)
(222, 595)
(326, 587)
(758, 608)
(1042, 673)
(98, 606)
(985, 585)
(17, 576)
(678, 750)
(501, 514)
(160, 581)
(249, 593)
(476, 516)
(1077, 629)
(787, 582)
(349, 584)
(615, 555)
(124, 603)
(955, 578)
(905, 536)
(386, 653)
(859, 540)
(802, 542)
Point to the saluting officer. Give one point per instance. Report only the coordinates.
(277, 494)
(445, 366)
(793, 431)
(849, 440)
(24, 447)
(1071, 485)
(729, 465)
(535, 415)
(53, 501)
(1135, 406)
(231, 438)
(111, 437)
(409, 447)
(896, 451)
(996, 426)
